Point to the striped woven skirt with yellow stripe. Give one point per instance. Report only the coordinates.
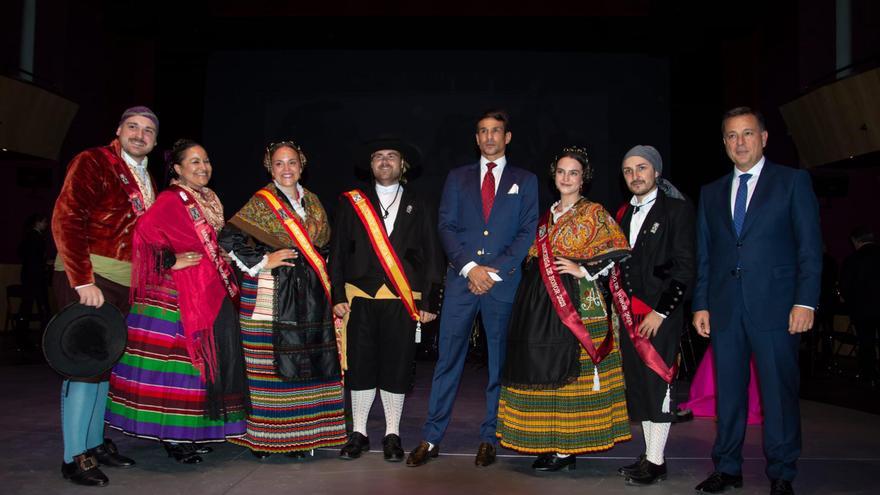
(573, 419)
(285, 416)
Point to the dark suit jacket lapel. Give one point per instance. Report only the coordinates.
(723, 203)
(472, 186)
(507, 181)
(760, 196)
(404, 219)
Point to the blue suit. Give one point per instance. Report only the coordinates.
(500, 243)
(749, 283)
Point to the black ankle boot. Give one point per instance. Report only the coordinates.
(84, 471)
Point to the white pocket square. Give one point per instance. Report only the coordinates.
(514, 189)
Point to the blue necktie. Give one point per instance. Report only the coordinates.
(739, 206)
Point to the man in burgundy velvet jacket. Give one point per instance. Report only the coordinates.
(106, 189)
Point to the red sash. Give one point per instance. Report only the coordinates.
(208, 237)
(300, 236)
(129, 183)
(559, 296)
(632, 311)
(384, 251)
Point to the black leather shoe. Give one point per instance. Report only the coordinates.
(781, 487)
(355, 446)
(422, 454)
(485, 455)
(107, 455)
(631, 468)
(299, 454)
(718, 482)
(391, 449)
(202, 449)
(183, 453)
(552, 462)
(261, 454)
(647, 474)
(84, 471)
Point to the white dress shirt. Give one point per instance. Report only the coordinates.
(389, 199)
(751, 183)
(638, 217)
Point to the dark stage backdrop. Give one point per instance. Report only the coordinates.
(330, 101)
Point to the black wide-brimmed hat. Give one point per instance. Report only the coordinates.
(407, 150)
(83, 341)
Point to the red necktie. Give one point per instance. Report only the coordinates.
(488, 191)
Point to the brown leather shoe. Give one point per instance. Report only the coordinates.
(421, 454)
(485, 455)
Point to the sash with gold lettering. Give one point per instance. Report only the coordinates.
(129, 184)
(561, 301)
(300, 237)
(632, 311)
(382, 246)
(208, 237)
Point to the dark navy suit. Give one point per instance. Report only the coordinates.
(500, 243)
(749, 284)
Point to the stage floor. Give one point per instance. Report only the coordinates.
(841, 454)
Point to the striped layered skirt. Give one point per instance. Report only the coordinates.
(155, 391)
(286, 416)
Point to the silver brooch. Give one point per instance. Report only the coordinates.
(655, 227)
(409, 208)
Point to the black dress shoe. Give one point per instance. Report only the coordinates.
(391, 449)
(84, 471)
(299, 454)
(202, 449)
(485, 455)
(781, 487)
(718, 482)
(261, 454)
(647, 474)
(107, 455)
(552, 462)
(631, 468)
(356, 445)
(183, 453)
(684, 415)
(422, 454)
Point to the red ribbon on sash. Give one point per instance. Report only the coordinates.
(632, 311)
(561, 301)
(208, 237)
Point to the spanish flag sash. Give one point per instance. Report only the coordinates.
(384, 251)
(300, 237)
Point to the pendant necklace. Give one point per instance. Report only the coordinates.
(383, 208)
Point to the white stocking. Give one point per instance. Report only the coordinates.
(361, 403)
(393, 405)
(659, 434)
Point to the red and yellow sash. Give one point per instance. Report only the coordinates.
(208, 237)
(129, 183)
(632, 311)
(382, 246)
(300, 237)
(559, 296)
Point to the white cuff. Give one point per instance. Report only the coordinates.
(804, 306)
(602, 272)
(661, 315)
(78, 287)
(252, 271)
(467, 268)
